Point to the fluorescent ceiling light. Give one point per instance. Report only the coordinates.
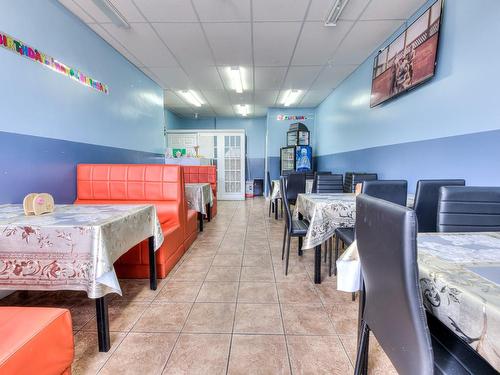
(108, 8)
(290, 97)
(243, 109)
(235, 76)
(191, 97)
(335, 12)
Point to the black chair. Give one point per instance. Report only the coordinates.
(469, 209)
(328, 183)
(393, 308)
(293, 228)
(395, 191)
(295, 184)
(273, 205)
(309, 175)
(353, 178)
(426, 202)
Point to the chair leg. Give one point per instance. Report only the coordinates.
(336, 255)
(300, 247)
(362, 354)
(353, 297)
(326, 249)
(330, 255)
(287, 256)
(270, 206)
(284, 242)
(281, 207)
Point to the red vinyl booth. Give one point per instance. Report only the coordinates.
(207, 173)
(158, 184)
(35, 340)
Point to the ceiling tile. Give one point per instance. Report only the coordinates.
(77, 10)
(223, 10)
(301, 77)
(265, 98)
(139, 39)
(259, 111)
(269, 78)
(167, 10)
(316, 34)
(314, 97)
(247, 77)
(204, 78)
(231, 42)
(173, 100)
(391, 9)
(320, 8)
(281, 96)
(186, 41)
(243, 98)
(332, 76)
(364, 38)
(279, 10)
(216, 98)
(128, 10)
(172, 78)
(274, 42)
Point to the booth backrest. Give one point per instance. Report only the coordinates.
(135, 183)
(205, 173)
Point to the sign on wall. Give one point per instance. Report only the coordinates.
(290, 118)
(33, 54)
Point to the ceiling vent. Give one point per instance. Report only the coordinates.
(335, 12)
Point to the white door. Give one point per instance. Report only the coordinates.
(229, 157)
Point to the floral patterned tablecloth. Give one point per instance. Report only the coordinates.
(276, 191)
(73, 248)
(459, 297)
(198, 195)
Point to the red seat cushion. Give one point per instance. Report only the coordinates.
(35, 340)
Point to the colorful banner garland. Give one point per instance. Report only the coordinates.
(290, 118)
(33, 54)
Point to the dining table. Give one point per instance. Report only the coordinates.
(326, 212)
(74, 248)
(459, 276)
(200, 198)
(276, 193)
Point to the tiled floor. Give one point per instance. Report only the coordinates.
(227, 308)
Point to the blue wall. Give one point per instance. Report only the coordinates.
(79, 124)
(445, 128)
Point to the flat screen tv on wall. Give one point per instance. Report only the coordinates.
(410, 59)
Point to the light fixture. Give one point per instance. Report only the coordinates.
(191, 97)
(335, 12)
(236, 78)
(290, 97)
(108, 8)
(243, 109)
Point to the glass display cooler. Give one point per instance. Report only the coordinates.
(298, 135)
(295, 159)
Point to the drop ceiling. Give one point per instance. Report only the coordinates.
(279, 44)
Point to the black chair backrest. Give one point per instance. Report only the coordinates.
(328, 183)
(387, 245)
(269, 183)
(394, 191)
(295, 185)
(469, 209)
(288, 213)
(353, 178)
(426, 202)
(309, 175)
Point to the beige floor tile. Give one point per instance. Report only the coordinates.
(210, 318)
(179, 292)
(122, 315)
(330, 295)
(199, 354)
(88, 359)
(300, 293)
(140, 353)
(191, 273)
(257, 292)
(257, 260)
(257, 274)
(306, 320)
(218, 292)
(258, 355)
(344, 317)
(163, 317)
(139, 290)
(227, 260)
(258, 318)
(223, 274)
(318, 355)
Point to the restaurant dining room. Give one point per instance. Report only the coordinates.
(249, 187)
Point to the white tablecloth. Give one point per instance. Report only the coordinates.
(276, 191)
(198, 195)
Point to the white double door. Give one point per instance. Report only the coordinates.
(229, 156)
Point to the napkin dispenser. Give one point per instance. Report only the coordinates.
(38, 204)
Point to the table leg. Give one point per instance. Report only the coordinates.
(152, 264)
(317, 265)
(209, 212)
(200, 218)
(276, 209)
(101, 308)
